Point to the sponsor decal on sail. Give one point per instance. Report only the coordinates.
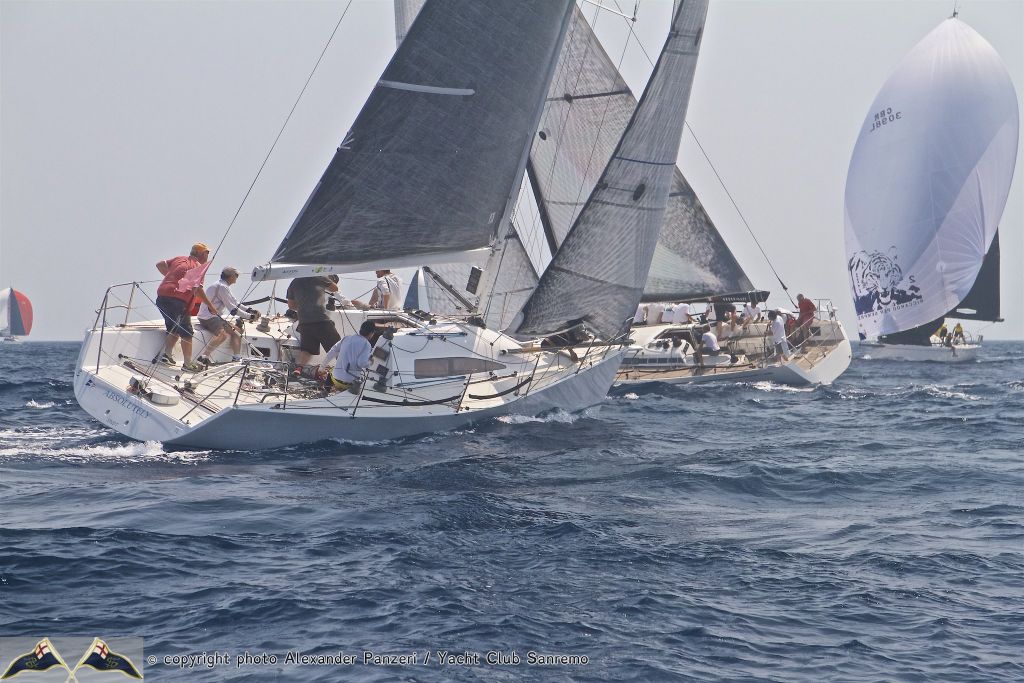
(879, 285)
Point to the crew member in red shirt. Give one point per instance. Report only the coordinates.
(803, 321)
(176, 306)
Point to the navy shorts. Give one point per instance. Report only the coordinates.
(213, 325)
(314, 335)
(177, 317)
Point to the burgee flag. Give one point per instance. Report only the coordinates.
(42, 658)
(99, 657)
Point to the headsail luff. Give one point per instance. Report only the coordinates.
(431, 161)
(587, 109)
(928, 180)
(598, 275)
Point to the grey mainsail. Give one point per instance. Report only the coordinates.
(430, 164)
(511, 276)
(597, 276)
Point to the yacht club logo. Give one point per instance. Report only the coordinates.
(44, 657)
(878, 283)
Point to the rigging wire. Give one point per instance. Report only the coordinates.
(280, 132)
(740, 213)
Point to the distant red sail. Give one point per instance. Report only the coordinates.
(20, 310)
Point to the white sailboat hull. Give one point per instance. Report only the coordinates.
(821, 361)
(218, 408)
(958, 353)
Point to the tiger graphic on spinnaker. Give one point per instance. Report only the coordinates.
(877, 280)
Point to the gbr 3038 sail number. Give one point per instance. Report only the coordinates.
(885, 117)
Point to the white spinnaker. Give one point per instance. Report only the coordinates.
(928, 180)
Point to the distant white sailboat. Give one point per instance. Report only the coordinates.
(928, 181)
(428, 173)
(15, 315)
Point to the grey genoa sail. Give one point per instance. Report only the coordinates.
(469, 110)
(587, 109)
(587, 283)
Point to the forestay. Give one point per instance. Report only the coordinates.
(598, 275)
(430, 164)
(928, 180)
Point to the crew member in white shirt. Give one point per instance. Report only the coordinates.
(709, 342)
(779, 335)
(654, 313)
(640, 317)
(351, 356)
(219, 294)
(387, 294)
(751, 313)
(681, 314)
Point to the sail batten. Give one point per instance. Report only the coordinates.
(597, 276)
(433, 157)
(928, 181)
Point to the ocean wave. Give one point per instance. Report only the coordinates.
(132, 452)
(768, 385)
(554, 417)
(45, 404)
(903, 393)
(52, 433)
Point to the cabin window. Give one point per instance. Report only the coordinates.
(425, 368)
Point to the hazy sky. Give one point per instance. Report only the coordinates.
(129, 130)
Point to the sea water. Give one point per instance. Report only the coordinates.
(870, 530)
